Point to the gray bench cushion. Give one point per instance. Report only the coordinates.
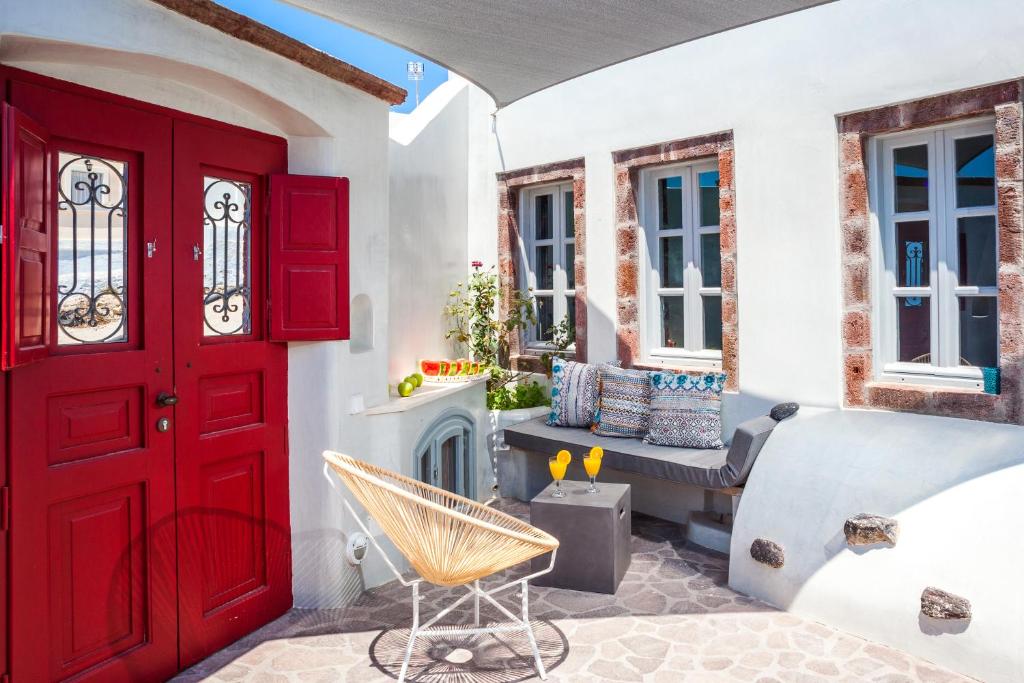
(709, 469)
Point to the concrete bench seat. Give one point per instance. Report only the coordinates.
(713, 469)
(697, 487)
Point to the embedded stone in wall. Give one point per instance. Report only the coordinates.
(865, 529)
(938, 604)
(767, 552)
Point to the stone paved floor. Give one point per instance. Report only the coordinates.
(673, 618)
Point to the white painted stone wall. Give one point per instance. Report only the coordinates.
(953, 485)
(138, 49)
(778, 85)
(429, 196)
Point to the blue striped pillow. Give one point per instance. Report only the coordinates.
(625, 405)
(573, 393)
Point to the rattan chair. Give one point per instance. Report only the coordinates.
(450, 541)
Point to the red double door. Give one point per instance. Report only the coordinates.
(146, 408)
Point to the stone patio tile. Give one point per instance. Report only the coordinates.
(674, 619)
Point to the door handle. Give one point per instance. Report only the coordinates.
(165, 400)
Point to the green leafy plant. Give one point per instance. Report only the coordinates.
(511, 397)
(563, 335)
(472, 312)
(475, 327)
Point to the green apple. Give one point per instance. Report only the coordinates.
(405, 389)
(417, 379)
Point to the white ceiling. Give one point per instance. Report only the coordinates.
(514, 48)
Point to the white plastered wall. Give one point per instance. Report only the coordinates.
(778, 85)
(138, 49)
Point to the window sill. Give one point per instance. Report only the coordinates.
(963, 381)
(689, 364)
(427, 393)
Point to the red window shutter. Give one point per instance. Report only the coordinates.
(308, 258)
(27, 217)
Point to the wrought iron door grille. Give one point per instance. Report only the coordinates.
(92, 243)
(227, 216)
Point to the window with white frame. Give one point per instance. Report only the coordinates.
(682, 265)
(549, 247)
(934, 194)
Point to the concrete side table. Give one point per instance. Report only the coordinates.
(593, 531)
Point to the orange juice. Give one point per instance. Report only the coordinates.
(557, 468)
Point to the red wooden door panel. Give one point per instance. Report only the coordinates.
(92, 533)
(308, 258)
(26, 238)
(234, 563)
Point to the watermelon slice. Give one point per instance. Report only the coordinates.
(444, 367)
(430, 368)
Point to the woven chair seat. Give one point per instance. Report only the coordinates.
(448, 539)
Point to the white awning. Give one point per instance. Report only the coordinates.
(513, 49)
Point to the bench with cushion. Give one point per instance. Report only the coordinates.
(525, 472)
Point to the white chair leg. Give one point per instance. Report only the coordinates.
(412, 632)
(529, 632)
(476, 603)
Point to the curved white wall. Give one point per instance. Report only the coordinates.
(955, 488)
(141, 50)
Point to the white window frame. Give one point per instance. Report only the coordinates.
(943, 291)
(693, 352)
(560, 239)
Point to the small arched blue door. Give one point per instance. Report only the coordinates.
(446, 454)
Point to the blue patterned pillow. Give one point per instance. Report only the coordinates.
(573, 394)
(625, 405)
(686, 410)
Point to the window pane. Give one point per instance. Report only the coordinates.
(570, 265)
(426, 476)
(912, 260)
(712, 322)
(449, 463)
(976, 248)
(92, 210)
(670, 203)
(226, 290)
(975, 172)
(570, 216)
(911, 178)
(708, 183)
(542, 216)
(544, 268)
(711, 260)
(545, 318)
(914, 322)
(672, 314)
(672, 267)
(979, 331)
(570, 308)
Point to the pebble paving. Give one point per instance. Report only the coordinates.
(673, 618)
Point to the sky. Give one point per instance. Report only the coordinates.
(355, 47)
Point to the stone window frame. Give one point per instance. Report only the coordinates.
(629, 163)
(510, 186)
(859, 241)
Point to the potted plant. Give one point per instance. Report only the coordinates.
(476, 328)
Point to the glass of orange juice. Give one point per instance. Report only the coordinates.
(592, 464)
(558, 465)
